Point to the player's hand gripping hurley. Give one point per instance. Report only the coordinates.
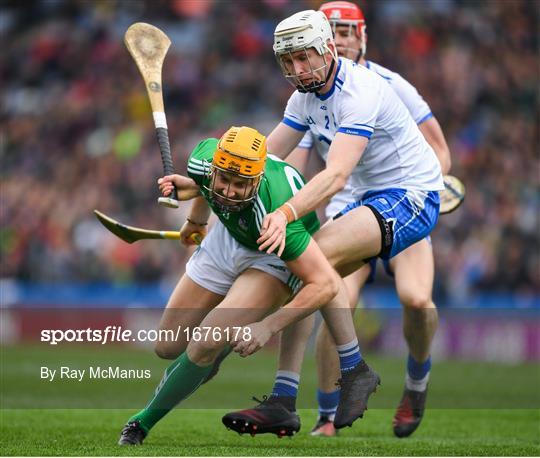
(148, 46)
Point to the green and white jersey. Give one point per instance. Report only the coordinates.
(280, 182)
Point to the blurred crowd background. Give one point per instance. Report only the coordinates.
(76, 129)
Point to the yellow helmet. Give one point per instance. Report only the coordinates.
(237, 168)
(241, 150)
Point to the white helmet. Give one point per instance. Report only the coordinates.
(303, 30)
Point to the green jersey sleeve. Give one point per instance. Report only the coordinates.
(199, 160)
(281, 182)
(298, 236)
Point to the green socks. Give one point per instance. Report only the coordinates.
(181, 379)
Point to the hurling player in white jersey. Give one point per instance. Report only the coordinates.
(412, 268)
(374, 145)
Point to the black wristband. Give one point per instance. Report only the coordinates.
(196, 224)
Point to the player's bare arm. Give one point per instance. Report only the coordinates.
(283, 140)
(432, 132)
(186, 187)
(200, 212)
(321, 285)
(345, 152)
(195, 227)
(196, 224)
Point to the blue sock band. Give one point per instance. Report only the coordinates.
(349, 355)
(328, 402)
(416, 370)
(286, 384)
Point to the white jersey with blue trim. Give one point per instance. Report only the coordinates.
(361, 102)
(409, 95)
(415, 103)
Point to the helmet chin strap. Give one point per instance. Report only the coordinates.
(330, 70)
(359, 55)
(362, 50)
(314, 86)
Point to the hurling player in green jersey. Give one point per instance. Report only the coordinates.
(229, 283)
(243, 219)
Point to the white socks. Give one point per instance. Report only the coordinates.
(416, 385)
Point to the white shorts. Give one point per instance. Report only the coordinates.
(339, 202)
(220, 260)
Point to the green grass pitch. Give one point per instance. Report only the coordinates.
(473, 409)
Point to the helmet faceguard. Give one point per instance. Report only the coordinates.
(293, 38)
(347, 14)
(237, 169)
